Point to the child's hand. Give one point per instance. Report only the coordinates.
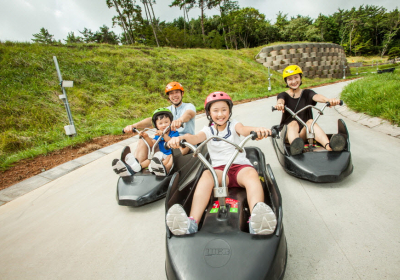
(173, 143)
(333, 102)
(143, 134)
(159, 132)
(262, 132)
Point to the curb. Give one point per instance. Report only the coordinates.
(374, 123)
(30, 184)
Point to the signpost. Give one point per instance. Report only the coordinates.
(69, 129)
(269, 80)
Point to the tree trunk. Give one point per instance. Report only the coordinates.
(350, 37)
(392, 33)
(202, 20)
(389, 38)
(124, 25)
(223, 27)
(184, 27)
(155, 21)
(151, 21)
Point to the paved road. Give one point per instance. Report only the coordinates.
(72, 227)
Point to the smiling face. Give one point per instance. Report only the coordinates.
(175, 96)
(219, 113)
(293, 81)
(162, 122)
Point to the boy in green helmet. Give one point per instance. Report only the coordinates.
(162, 162)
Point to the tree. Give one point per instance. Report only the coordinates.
(392, 23)
(225, 7)
(88, 35)
(281, 22)
(43, 37)
(328, 28)
(105, 36)
(121, 20)
(249, 26)
(394, 53)
(202, 4)
(150, 18)
(186, 5)
(72, 39)
(296, 28)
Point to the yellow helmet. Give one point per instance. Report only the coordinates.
(291, 70)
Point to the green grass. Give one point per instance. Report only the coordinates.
(372, 70)
(113, 86)
(376, 95)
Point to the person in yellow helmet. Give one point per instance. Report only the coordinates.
(295, 99)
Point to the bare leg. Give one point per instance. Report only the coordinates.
(145, 163)
(168, 163)
(248, 178)
(320, 135)
(202, 193)
(141, 151)
(292, 131)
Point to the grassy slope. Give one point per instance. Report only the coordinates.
(113, 86)
(376, 95)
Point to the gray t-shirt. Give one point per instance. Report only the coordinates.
(177, 112)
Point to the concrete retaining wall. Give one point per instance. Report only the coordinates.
(323, 60)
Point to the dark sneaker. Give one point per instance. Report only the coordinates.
(262, 220)
(178, 222)
(126, 150)
(121, 168)
(337, 142)
(297, 146)
(157, 167)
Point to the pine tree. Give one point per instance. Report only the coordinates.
(43, 37)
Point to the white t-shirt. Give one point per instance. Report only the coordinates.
(220, 151)
(177, 112)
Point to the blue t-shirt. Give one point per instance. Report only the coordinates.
(177, 112)
(162, 142)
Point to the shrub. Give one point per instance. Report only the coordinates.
(393, 53)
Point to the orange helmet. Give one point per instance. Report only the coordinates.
(172, 86)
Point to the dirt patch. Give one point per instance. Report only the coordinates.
(27, 168)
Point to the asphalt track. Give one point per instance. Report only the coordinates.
(72, 227)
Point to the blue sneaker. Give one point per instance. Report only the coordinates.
(262, 220)
(178, 222)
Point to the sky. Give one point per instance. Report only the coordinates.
(20, 19)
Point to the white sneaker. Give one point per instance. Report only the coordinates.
(178, 222)
(262, 220)
(132, 162)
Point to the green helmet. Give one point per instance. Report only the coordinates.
(161, 111)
